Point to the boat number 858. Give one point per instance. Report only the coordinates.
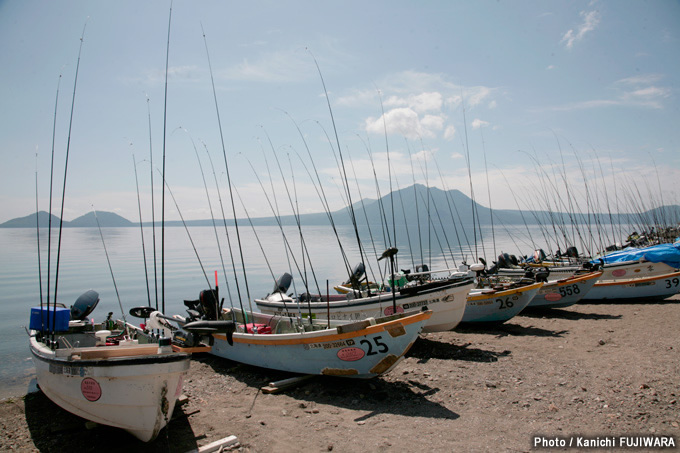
(382, 347)
(671, 283)
(569, 290)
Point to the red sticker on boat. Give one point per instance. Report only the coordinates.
(351, 354)
(553, 297)
(90, 389)
(390, 310)
(619, 272)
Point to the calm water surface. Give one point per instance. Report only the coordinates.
(83, 266)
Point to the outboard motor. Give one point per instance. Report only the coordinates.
(539, 255)
(283, 283)
(572, 252)
(210, 303)
(84, 305)
(425, 276)
(542, 275)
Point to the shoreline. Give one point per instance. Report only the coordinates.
(605, 369)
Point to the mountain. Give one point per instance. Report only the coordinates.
(410, 205)
(106, 219)
(29, 221)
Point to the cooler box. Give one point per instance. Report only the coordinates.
(60, 317)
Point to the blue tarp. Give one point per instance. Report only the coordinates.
(662, 253)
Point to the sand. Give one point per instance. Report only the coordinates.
(592, 372)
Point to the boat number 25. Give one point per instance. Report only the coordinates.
(671, 283)
(382, 347)
(505, 303)
(569, 290)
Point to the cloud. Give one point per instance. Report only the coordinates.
(407, 122)
(590, 20)
(456, 156)
(477, 123)
(637, 91)
(271, 67)
(449, 132)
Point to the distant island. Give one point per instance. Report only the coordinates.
(450, 207)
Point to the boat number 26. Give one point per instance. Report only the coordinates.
(569, 290)
(505, 303)
(382, 347)
(672, 283)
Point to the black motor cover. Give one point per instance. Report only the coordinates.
(84, 305)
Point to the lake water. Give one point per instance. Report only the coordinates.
(84, 266)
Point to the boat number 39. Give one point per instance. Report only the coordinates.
(505, 303)
(672, 283)
(382, 347)
(569, 290)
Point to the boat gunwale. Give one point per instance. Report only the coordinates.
(506, 292)
(112, 361)
(628, 281)
(322, 336)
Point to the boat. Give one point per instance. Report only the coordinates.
(113, 374)
(564, 292)
(356, 349)
(445, 298)
(639, 289)
(500, 302)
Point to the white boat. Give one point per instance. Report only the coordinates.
(498, 305)
(446, 299)
(565, 291)
(120, 377)
(359, 349)
(641, 289)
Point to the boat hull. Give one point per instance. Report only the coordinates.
(498, 306)
(134, 393)
(447, 304)
(647, 288)
(369, 351)
(565, 292)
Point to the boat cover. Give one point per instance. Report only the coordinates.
(663, 253)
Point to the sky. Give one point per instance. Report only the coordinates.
(516, 100)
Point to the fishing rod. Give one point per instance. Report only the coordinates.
(153, 208)
(37, 229)
(49, 221)
(165, 126)
(469, 164)
(403, 211)
(344, 172)
(303, 243)
(449, 202)
(63, 195)
(141, 228)
(277, 217)
(278, 212)
(224, 219)
(186, 228)
(389, 170)
(441, 247)
(363, 208)
(231, 194)
(207, 194)
(101, 235)
(415, 197)
(488, 191)
(321, 194)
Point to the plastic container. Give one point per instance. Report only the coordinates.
(59, 316)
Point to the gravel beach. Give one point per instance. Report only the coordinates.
(590, 372)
